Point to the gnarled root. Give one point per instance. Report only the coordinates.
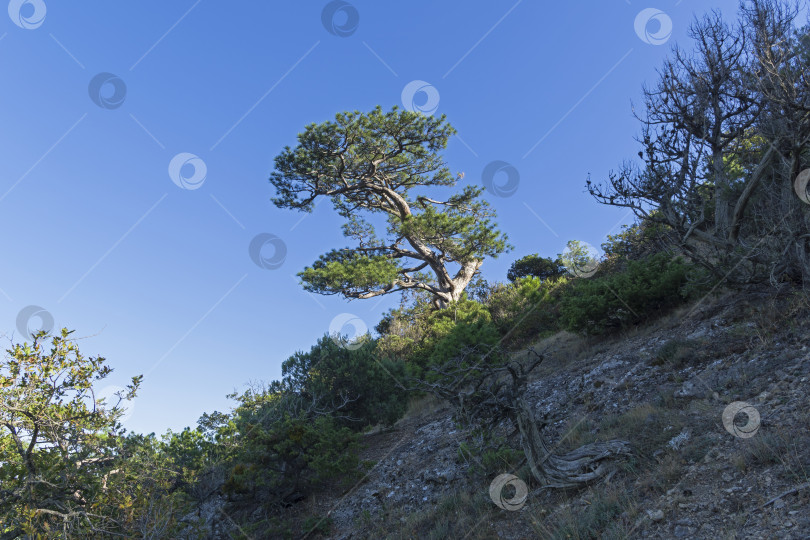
(585, 465)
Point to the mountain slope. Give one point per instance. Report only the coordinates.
(664, 387)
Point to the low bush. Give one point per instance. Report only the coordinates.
(285, 454)
(360, 388)
(643, 290)
(536, 266)
(434, 336)
(464, 324)
(526, 309)
(636, 241)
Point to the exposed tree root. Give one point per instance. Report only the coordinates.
(488, 389)
(587, 464)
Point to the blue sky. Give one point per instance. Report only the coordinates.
(157, 277)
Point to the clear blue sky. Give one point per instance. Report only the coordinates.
(159, 277)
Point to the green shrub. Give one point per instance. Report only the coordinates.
(283, 457)
(402, 330)
(536, 266)
(67, 467)
(634, 242)
(330, 374)
(641, 291)
(526, 309)
(463, 324)
(435, 336)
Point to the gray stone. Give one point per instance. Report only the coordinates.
(681, 531)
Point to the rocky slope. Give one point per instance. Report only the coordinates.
(664, 387)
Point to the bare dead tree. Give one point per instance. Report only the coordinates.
(724, 132)
(781, 76)
(486, 393)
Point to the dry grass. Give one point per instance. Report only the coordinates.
(561, 350)
(420, 406)
(787, 450)
(677, 353)
(609, 512)
(458, 515)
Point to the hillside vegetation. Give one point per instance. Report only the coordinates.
(659, 390)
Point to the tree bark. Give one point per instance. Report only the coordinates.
(585, 465)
